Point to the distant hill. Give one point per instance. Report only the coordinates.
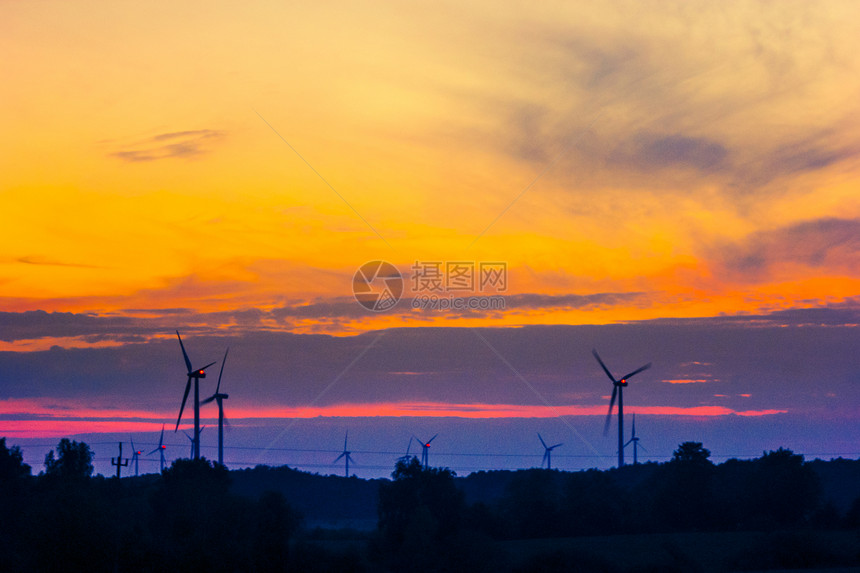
(337, 501)
(318, 498)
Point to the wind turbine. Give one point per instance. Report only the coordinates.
(547, 453)
(407, 457)
(161, 447)
(618, 390)
(221, 419)
(196, 375)
(425, 450)
(187, 435)
(635, 441)
(345, 455)
(135, 457)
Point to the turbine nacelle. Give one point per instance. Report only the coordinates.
(618, 385)
(217, 396)
(425, 449)
(193, 374)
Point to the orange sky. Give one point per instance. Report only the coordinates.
(699, 158)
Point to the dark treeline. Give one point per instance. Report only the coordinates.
(186, 519)
(690, 493)
(198, 516)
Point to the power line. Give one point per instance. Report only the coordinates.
(437, 453)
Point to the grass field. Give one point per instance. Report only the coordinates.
(832, 551)
(703, 552)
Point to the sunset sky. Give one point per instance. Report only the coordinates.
(676, 183)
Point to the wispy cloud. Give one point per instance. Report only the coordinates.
(821, 244)
(48, 261)
(177, 144)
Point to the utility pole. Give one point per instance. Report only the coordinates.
(621, 386)
(119, 461)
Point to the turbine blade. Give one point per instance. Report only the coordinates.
(602, 365)
(340, 456)
(628, 443)
(205, 367)
(187, 435)
(153, 451)
(637, 371)
(223, 362)
(409, 446)
(643, 447)
(207, 400)
(431, 439)
(555, 446)
(609, 414)
(184, 398)
(541, 440)
(545, 456)
(344, 440)
(184, 354)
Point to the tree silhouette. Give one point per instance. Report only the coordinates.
(593, 504)
(14, 490)
(419, 512)
(684, 489)
(74, 461)
(693, 454)
(784, 489)
(12, 466)
(197, 519)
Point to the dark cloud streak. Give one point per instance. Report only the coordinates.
(178, 144)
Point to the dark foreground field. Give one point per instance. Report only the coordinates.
(777, 512)
(713, 552)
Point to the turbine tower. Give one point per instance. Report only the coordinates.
(135, 457)
(161, 447)
(425, 450)
(196, 375)
(547, 453)
(618, 390)
(345, 455)
(635, 441)
(219, 397)
(193, 443)
(407, 457)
